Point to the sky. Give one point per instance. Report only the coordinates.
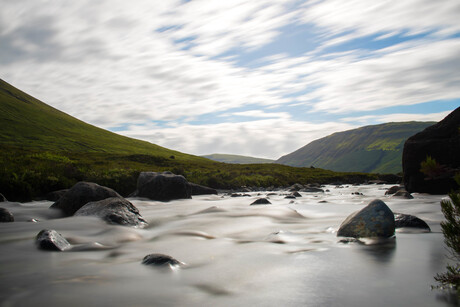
(259, 78)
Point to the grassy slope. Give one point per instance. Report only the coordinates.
(376, 148)
(43, 149)
(237, 159)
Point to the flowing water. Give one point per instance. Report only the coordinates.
(283, 254)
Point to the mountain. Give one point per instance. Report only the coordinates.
(370, 149)
(237, 159)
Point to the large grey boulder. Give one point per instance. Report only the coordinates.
(81, 194)
(113, 210)
(162, 186)
(375, 220)
(51, 240)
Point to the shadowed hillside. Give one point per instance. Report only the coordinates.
(370, 149)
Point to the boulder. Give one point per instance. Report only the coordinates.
(2, 198)
(261, 201)
(442, 143)
(81, 194)
(161, 260)
(201, 190)
(393, 190)
(55, 195)
(6, 216)
(296, 194)
(162, 186)
(51, 240)
(312, 190)
(403, 194)
(374, 220)
(113, 210)
(406, 220)
(290, 196)
(295, 187)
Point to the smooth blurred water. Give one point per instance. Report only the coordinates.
(284, 254)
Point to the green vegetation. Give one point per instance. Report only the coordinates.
(370, 149)
(237, 159)
(430, 168)
(43, 150)
(451, 230)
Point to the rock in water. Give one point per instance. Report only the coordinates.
(81, 194)
(162, 186)
(113, 210)
(442, 143)
(161, 260)
(406, 220)
(374, 220)
(6, 216)
(261, 201)
(55, 195)
(51, 240)
(403, 194)
(201, 190)
(393, 190)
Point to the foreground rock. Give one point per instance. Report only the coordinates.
(51, 240)
(261, 201)
(410, 221)
(201, 190)
(81, 194)
(442, 143)
(161, 260)
(113, 210)
(375, 220)
(162, 186)
(6, 216)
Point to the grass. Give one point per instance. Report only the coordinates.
(43, 149)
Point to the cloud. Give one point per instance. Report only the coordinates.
(396, 117)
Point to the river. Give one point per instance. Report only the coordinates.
(283, 254)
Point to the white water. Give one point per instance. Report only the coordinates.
(284, 254)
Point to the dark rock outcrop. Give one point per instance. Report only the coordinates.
(55, 195)
(261, 201)
(161, 260)
(411, 221)
(201, 190)
(51, 240)
(162, 186)
(81, 194)
(113, 210)
(442, 143)
(2, 198)
(6, 216)
(375, 220)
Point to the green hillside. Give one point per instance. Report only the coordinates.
(43, 149)
(237, 159)
(370, 149)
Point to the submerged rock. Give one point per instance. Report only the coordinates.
(6, 216)
(161, 260)
(290, 196)
(201, 190)
(403, 194)
(261, 201)
(51, 240)
(113, 210)
(162, 186)
(374, 220)
(2, 198)
(81, 194)
(411, 221)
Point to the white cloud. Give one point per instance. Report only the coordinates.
(396, 117)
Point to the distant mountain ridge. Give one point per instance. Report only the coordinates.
(370, 149)
(237, 159)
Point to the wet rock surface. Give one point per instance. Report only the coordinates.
(81, 194)
(261, 201)
(6, 216)
(113, 210)
(374, 220)
(51, 240)
(406, 220)
(161, 260)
